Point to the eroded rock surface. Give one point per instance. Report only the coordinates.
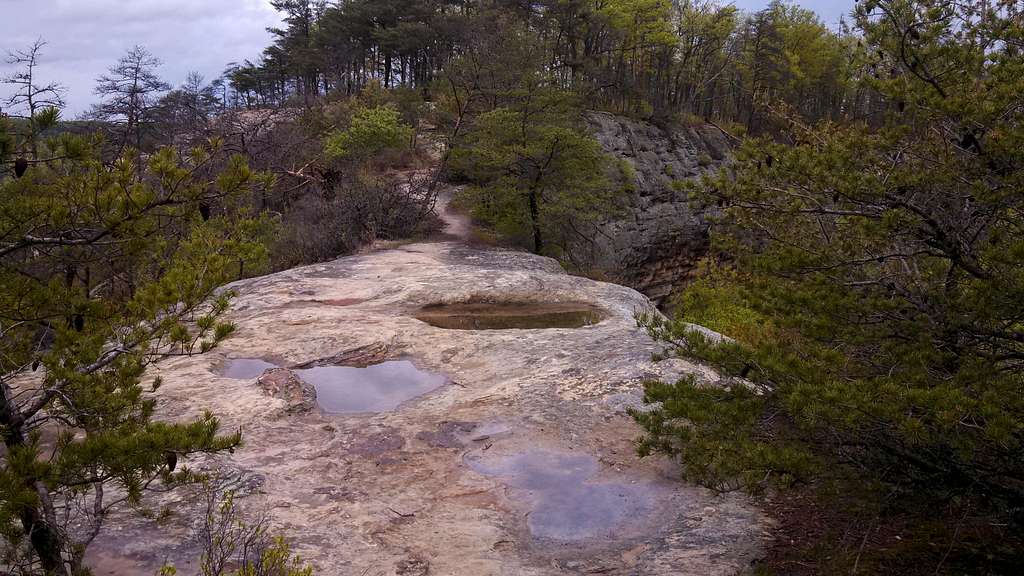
(282, 383)
(437, 485)
(660, 235)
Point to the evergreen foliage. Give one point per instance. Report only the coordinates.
(39, 104)
(639, 57)
(130, 92)
(106, 267)
(871, 289)
(371, 131)
(533, 178)
(535, 173)
(875, 302)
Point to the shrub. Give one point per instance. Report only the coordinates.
(372, 131)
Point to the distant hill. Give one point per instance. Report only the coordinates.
(64, 126)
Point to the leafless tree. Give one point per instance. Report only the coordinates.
(130, 91)
(185, 114)
(32, 101)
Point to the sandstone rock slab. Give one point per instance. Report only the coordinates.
(392, 493)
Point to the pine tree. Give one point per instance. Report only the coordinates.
(876, 296)
(130, 92)
(104, 268)
(536, 173)
(34, 102)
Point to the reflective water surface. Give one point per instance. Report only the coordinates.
(506, 316)
(246, 368)
(378, 388)
(566, 504)
(347, 390)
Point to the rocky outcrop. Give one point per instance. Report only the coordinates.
(284, 384)
(523, 465)
(655, 243)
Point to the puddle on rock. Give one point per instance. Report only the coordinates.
(460, 434)
(246, 368)
(506, 316)
(565, 503)
(347, 390)
(378, 388)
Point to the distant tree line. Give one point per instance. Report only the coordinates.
(646, 57)
(492, 68)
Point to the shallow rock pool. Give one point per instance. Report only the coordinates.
(510, 316)
(348, 390)
(246, 368)
(566, 502)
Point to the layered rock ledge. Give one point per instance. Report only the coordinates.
(655, 244)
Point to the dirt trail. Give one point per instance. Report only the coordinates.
(457, 226)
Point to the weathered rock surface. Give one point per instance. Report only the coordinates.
(655, 244)
(284, 384)
(428, 488)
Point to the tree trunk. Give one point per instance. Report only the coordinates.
(538, 240)
(45, 538)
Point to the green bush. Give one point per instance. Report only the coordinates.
(372, 130)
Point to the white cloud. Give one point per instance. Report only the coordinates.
(85, 37)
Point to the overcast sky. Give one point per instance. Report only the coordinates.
(829, 10)
(87, 36)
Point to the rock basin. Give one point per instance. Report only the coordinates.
(378, 388)
(510, 315)
(352, 389)
(565, 502)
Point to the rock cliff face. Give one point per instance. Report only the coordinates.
(522, 464)
(654, 245)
